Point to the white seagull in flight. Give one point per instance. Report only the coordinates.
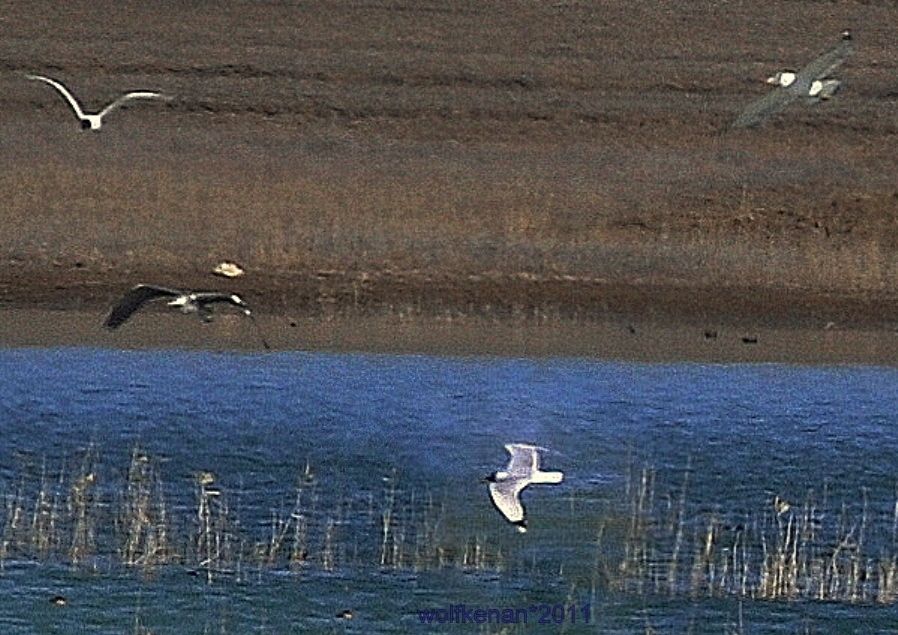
(522, 470)
(93, 121)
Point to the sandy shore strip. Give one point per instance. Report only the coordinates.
(642, 341)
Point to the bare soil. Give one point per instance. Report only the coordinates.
(522, 161)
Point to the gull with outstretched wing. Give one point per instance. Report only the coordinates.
(199, 302)
(506, 485)
(811, 82)
(93, 121)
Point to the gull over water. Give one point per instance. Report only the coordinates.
(506, 485)
(94, 121)
(812, 83)
(197, 302)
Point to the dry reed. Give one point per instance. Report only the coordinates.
(649, 545)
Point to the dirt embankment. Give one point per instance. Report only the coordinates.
(472, 158)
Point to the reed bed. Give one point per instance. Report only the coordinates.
(643, 543)
(69, 515)
(813, 550)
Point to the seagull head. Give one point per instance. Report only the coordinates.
(521, 526)
(496, 477)
(236, 299)
(783, 78)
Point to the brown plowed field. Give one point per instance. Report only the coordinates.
(565, 159)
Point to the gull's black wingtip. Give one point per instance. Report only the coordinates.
(112, 322)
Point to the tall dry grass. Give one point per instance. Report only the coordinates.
(441, 214)
(78, 517)
(779, 551)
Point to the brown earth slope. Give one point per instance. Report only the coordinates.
(488, 158)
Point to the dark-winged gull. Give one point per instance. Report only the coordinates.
(811, 82)
(199, 302)
(93, 121)
(522, 471)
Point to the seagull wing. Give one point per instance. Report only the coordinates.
(137, 94)
(62, 91)
(772, 103)
(505, 495)
(827, 62)
(215, 297)
(133, 300)
(761, 109)
(524, 459)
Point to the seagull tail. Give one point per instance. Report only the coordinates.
(548, 478)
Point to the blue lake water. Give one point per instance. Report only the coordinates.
(408, 438)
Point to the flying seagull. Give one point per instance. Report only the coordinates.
(522, 470)
(93, 121)
(811, 82)
(199, 302)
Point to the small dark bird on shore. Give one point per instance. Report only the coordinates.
(710, 334)
(750, 339)
(199, 302)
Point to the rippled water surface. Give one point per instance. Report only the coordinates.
(376, 462)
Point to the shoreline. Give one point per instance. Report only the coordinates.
(490, 314)
(516, 296)
(614, 340)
